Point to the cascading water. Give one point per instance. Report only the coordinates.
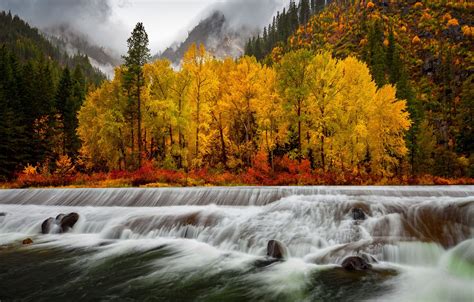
(209, 244)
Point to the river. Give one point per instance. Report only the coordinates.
(210, 244)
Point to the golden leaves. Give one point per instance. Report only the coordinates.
(416, 40)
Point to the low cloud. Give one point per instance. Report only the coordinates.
(249, 13)
(92, 18)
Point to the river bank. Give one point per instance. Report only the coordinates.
(151, 177)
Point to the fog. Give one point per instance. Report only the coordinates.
(108, 23)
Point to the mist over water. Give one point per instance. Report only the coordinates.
(209, 244)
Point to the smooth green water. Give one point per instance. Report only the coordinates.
(53, 274)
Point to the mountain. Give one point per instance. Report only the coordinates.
(73, 42)
(216, 34)
(424, 48)
(28, 43)
(41, 89)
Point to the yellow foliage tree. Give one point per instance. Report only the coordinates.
(221, 113)
(202, 89)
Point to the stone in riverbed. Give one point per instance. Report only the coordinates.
(27, 241)
(68, 222)
(276, 249)
(47, 225)
(355, 263)
(357, 214)
(59, 217)
(64, 222)
(2, 214)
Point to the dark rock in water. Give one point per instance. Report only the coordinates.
(2, 214)
(47, 225)
(27, 241)
(276, 249)
(355, 263)
(338, 284)
(65, 223)
(357, 214)
(68, 222)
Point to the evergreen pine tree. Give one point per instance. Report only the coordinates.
(138, 54)
(65, 109)
(375, 53)
(305, 11)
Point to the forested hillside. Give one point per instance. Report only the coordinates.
(41, 90)
(333, 92)
(424, 48)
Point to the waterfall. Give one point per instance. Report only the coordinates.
(231, 196)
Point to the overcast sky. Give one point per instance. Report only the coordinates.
(109, 22)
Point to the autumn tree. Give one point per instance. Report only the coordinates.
(323, 113)
(348, 121)
(180, 88)
(161, 112)
(293, 83)
(202, 89)
(103, 126)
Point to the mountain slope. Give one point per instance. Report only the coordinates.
(29, 44)
(41, 90)
(425, 50)
(73, 43)
(215, 33)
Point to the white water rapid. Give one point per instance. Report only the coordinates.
(209, 244)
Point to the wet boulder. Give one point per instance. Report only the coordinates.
(2, 214)
(68, 222)
(47, 225)
(276, 249)
(63, 222)
(358, 214)
(59, 218)
(355, 263)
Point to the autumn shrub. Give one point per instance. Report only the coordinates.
(146, 174)
(453, 22)
(260, 171)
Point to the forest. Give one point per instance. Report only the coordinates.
(355, 92)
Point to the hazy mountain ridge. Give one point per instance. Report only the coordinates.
(29, 43)
(216, 34)
(73, 42)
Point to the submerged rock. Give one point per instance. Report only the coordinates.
(2, 214)
(357, 214)
(27, 241)
(276, 249)
(64, 222)
(355, 263)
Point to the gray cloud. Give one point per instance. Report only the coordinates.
(108, 22)
(249, 13)
(91, 18)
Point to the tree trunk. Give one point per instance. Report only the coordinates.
(322, 153)
(299, 131)
(139, 122)
(198, 112)
(223, 154)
